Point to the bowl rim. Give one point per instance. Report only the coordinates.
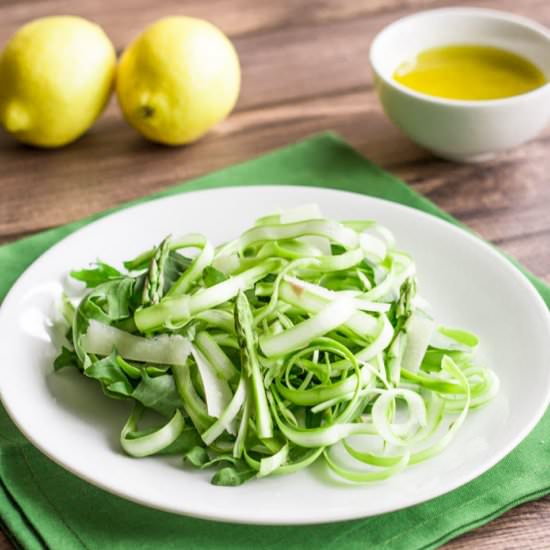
(499, 15)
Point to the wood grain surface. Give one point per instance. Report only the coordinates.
(305, 70)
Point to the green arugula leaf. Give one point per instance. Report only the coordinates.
(253, 300)
(111, 375)
(95, 276)
(118, 294)
(336, 249)
(197, 456)
(230, 476)
(66, 358)
(175, 265)
(211, 276)
(158, 393)
(108, 302)
(220, 459)
(368, 270)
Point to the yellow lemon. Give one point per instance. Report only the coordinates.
(56, 76)
(178, 79)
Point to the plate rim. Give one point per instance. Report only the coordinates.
(474, 473)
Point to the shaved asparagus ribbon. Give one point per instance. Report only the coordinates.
(311, 343)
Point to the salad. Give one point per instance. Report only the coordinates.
(304, 339)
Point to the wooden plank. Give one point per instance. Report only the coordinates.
(525, 527)
(124, 19)
(502, 200)
(317, 55)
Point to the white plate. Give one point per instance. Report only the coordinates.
(468, 283)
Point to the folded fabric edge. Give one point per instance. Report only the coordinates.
(15, 524)
(483, 520)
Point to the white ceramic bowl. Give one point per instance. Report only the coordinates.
(457, 129)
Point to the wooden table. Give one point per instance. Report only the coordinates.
(304, 70)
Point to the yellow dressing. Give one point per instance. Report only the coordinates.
(469, 72)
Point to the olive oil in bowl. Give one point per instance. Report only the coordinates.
(469, 72)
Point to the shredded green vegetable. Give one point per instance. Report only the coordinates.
(302, 340)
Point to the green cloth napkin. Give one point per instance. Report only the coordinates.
(43, 505)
